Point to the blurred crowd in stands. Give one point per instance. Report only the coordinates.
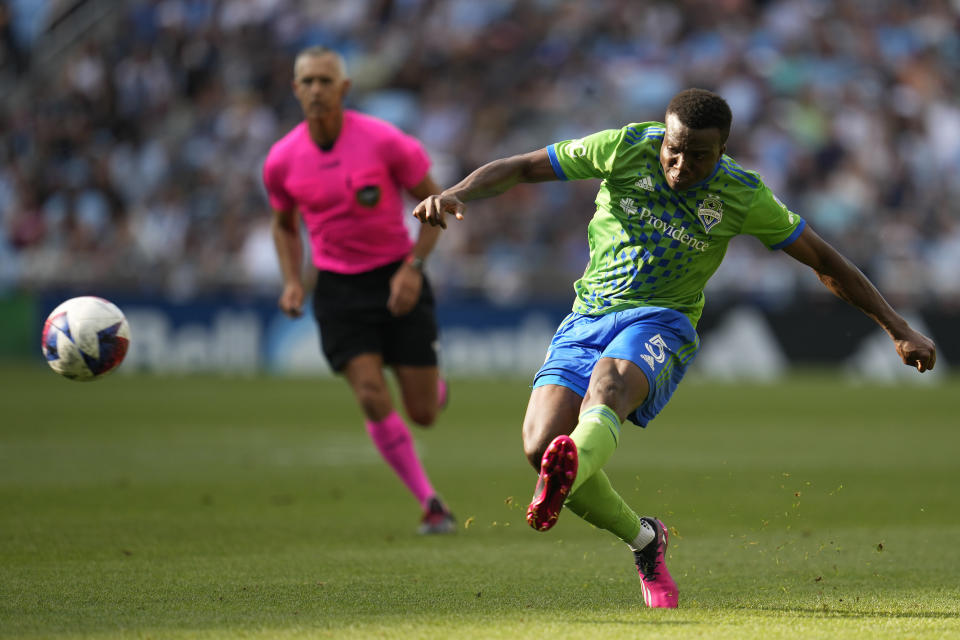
(132, 143)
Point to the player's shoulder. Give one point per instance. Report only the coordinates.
(634, 136)
(636, 132)
(641, 140)
(631, 134)
(633, 142)
(738, 175)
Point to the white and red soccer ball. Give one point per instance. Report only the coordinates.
(85, 338)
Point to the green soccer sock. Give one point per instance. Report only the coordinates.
(596, 436)
(600, 505)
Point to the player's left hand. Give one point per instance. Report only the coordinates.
(405, 286)
(916, 350)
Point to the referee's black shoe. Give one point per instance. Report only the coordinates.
(437, 519)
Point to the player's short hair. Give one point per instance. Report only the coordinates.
(318, 51)
(702, 109)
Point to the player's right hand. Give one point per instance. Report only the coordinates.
(291, 300)
(433, 210)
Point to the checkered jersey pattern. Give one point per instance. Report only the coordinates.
(650, 245)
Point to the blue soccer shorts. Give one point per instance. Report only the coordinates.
(662, 342)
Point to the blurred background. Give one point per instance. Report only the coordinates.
(133, 135)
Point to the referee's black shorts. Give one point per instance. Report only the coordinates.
(352, 316)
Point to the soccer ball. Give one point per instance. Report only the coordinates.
(85, 338)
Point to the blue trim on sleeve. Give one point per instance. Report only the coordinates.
(793, 236)
(555, 162)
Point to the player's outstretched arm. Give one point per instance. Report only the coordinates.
(847, 282)
(489, 180)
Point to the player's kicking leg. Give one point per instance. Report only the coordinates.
(558, 470)
(613, 386)
(551, 415)
(569, 461)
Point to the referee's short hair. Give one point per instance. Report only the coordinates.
(318, 51)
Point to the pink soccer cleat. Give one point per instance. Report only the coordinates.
(659, 589)
(558, 469)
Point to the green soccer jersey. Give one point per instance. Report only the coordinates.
(652, 246)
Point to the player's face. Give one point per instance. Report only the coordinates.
(319, 84)
(689, 155)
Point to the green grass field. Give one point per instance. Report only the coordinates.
(195, 507)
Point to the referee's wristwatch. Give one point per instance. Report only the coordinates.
(415, 261)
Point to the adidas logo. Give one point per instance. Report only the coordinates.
(645, 182)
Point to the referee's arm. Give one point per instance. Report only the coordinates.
(286, 240)
(428, 235)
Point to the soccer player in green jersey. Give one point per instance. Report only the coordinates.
(668, 204)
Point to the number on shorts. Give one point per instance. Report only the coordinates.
(657, 349)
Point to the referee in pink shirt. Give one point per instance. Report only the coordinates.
(344, 173)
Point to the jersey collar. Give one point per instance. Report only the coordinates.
(697, 185)
(716, 168)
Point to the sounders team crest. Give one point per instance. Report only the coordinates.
(710, 212)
